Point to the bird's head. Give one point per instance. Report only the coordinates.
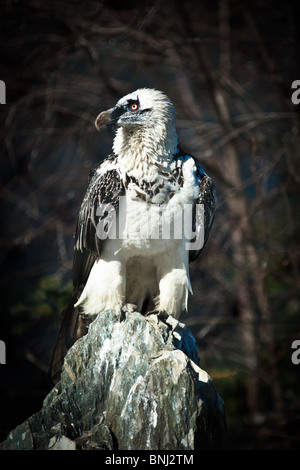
(145, 108)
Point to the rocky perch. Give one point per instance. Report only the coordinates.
(133, 384)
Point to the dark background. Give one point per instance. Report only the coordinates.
(228, 67)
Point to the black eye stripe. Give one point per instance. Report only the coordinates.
(117, 112)
(131, 102)
(133, 105)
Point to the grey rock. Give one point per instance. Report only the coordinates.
(129, 385)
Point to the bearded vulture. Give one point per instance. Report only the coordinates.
(133, 240)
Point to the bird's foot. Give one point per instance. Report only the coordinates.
(170, 321)
(126, 308)
(178, 335)
(130, 308)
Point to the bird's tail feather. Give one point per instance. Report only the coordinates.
(71, 329)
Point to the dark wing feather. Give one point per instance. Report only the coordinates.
(105, 187)
(104, 190)
(208, 198)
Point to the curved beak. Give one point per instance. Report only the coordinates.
(103, 119)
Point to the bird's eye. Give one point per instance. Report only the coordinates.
(134, 107)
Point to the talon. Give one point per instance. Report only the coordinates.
(167, 319)
(173, 323)
(151, 312)
(162, 314)
(130, 308)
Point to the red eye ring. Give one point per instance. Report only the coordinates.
(134, 107)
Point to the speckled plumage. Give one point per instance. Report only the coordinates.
(146, 172)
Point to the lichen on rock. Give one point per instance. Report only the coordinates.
(134, 384)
